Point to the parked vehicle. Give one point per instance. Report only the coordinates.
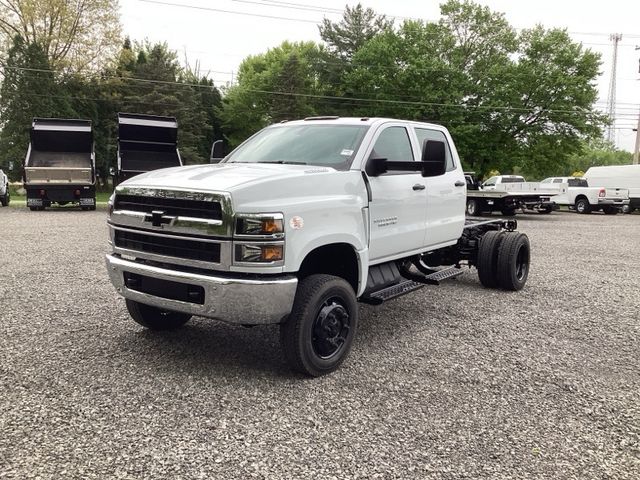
(575, 193)
(299, 223)
(145, 143)
(618, 176)
(494, 182)
(60, 164)
(5, 195)
(505, 194)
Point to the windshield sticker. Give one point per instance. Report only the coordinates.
(346, 152)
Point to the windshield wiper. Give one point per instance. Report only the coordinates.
(286, 162)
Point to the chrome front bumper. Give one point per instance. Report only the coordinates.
(233, 300)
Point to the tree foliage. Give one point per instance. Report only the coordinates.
(73, 34)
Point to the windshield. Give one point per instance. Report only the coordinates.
(324, 145)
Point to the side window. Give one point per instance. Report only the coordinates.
(426, 134)
(394, 145)
(546, 180)
(491, 181)
(557, 180)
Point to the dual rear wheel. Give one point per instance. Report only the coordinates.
(503, 260)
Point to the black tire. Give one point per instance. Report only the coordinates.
(487, 261)
(545, 210)
(4, 200)
(36, 209)
(513, 261)
(583, 206)
(508, 212)
(473, 207)
(318, 334)
(608, 210)
(154, 318)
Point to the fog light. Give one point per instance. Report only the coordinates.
(259, 253)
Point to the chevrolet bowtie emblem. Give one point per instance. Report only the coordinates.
(157, 218)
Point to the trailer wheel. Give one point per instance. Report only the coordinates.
(473, 207)
(583, 205)
(488, 258)
(317, 336)
(513, 261)
(154, 318)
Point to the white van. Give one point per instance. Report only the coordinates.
(618, 176)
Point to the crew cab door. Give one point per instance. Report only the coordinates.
(446, 195)
(397, 205)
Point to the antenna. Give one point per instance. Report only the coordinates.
(611, 99)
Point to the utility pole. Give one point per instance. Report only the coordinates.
(611, 100)
(636, 151)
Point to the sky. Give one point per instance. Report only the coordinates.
(218, 40)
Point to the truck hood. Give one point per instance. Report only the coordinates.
(225, 177)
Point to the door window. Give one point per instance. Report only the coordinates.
(394, 145)
(426, 134)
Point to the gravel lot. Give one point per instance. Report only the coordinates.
(449, 382)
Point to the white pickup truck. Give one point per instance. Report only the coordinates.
(297, 225)
(575, 193)
(5, 196)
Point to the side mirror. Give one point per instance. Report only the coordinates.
(217, 151)
(434, 158)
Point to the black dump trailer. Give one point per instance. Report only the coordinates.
(60, 166)
(145, 143)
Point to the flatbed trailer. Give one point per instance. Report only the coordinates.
(507, 203)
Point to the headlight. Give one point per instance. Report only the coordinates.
(269, 225)
(259, 253)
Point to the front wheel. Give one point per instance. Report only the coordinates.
(317, 336)
(154, 318)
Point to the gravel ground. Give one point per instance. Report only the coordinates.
(448, 382)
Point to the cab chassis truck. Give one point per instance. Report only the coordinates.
(60, 164)
(298, 224)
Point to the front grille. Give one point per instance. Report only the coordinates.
(164, 288)
(168, 246)
(170, 206)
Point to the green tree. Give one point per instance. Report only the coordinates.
(597, 153)
(357, 26)
(29, 90)
(282, 84)
(73, 35)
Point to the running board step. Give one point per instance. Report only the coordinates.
(436, 277)
(376, 298)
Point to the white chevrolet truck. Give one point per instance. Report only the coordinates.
(298, 224)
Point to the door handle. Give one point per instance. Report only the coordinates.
(419, 186)
(460, 183)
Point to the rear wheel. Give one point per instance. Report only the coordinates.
(513, 261)
(473, 207)
(487, 261)
(154, 318)
(582, 205)
(608, 210)
(317, 336)
(4, 200)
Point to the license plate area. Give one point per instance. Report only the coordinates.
(168, 289)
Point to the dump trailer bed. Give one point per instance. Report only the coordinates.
(145, 143)
(60, 164)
